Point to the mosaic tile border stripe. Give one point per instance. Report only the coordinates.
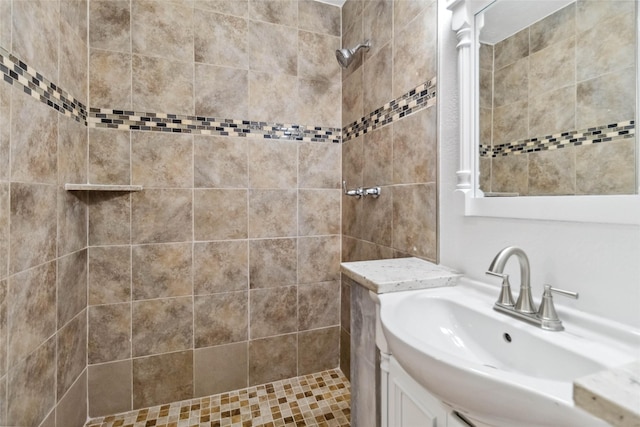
(15, 71)
(320, 399)
(415, 100)
(595, 135)
(159, 122)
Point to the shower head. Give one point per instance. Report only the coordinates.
(346, 55)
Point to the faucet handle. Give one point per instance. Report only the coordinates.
(505, 298)
(547, 311)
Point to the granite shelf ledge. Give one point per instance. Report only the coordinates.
(101, 187)
(399, 274)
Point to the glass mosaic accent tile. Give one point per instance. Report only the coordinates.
(594, 135)
(321, 399)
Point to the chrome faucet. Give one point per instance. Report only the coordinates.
(524, 308)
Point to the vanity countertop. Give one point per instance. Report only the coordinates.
(613, 395)
(399, 274)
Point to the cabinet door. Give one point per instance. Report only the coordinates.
(410, 405)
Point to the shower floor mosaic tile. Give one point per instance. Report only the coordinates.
(321, 399)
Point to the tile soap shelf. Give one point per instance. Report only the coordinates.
(101, 187)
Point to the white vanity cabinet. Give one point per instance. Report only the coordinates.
(408, 403)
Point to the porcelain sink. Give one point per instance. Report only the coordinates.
(494, 369)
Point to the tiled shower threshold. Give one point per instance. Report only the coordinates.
(320, 399)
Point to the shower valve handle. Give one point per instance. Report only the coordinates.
(355, 192)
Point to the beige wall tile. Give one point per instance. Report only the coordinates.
(378, 225)
(377, 24)
(353, 162)
(74, 13)
(71, 354)
(319, 306)
(414, 220)
(317, 99)
(72, 151)
(5, 31)
(404, 11)
(4, 229)
(161, 326)
(272, 263)
(606, 168)
(552, 172)
(553, 67)
(377, 72)
(272, 164)
(109, 333)
(414, 52)
(272, 359)
(162, 379)
(319, 165)
(4, 300)
(162, 28)
(351, 14)
(352, 97)
(272, 312)
(485, 172)
(604, 99)
(161, 271)
(553, 28)
(345, 353)
(511, 83)
(221, 318)
(511, 49)
(110, 24)
(510, 174)
(319, 17)
(283, 12)
(73, 62)
(110, 388)
(351, 37)
(34, 140)
(511, 123)
(284, 59)
(486, 88)
(318, 259)
(31, 389)
(546, 118)
(162, 161)
(345, 304)
(270, 97)
(222, 92)
(220, 267)
(109, 275)
(317, 350)
(109, 219)
(220, 162)
(159, 216)
(110, 79)
(415, 155)
(31, 310)
(35, 27)
(109, 157)
(231, 7)
(315, 54)
(230, 34)
(220, 369)
(272, 213)
(72, 408)
(220, 214)
(72, 221)
(5, 130)
(161, 84)
(318, 212)
(72, 286)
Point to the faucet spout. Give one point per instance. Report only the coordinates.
(524, 304)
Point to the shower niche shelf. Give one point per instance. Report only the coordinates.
(102, 187)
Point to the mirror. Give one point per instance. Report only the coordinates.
(564, 123)
(557, 98)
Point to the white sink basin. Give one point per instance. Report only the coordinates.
(497, 370)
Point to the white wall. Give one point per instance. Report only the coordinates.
(600, 261)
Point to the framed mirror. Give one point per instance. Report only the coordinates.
(548, 108)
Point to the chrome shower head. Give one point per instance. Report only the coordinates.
(345, 55)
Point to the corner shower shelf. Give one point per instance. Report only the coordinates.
(101, 187)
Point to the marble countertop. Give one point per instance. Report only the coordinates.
(399, 274)
(613, 395)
